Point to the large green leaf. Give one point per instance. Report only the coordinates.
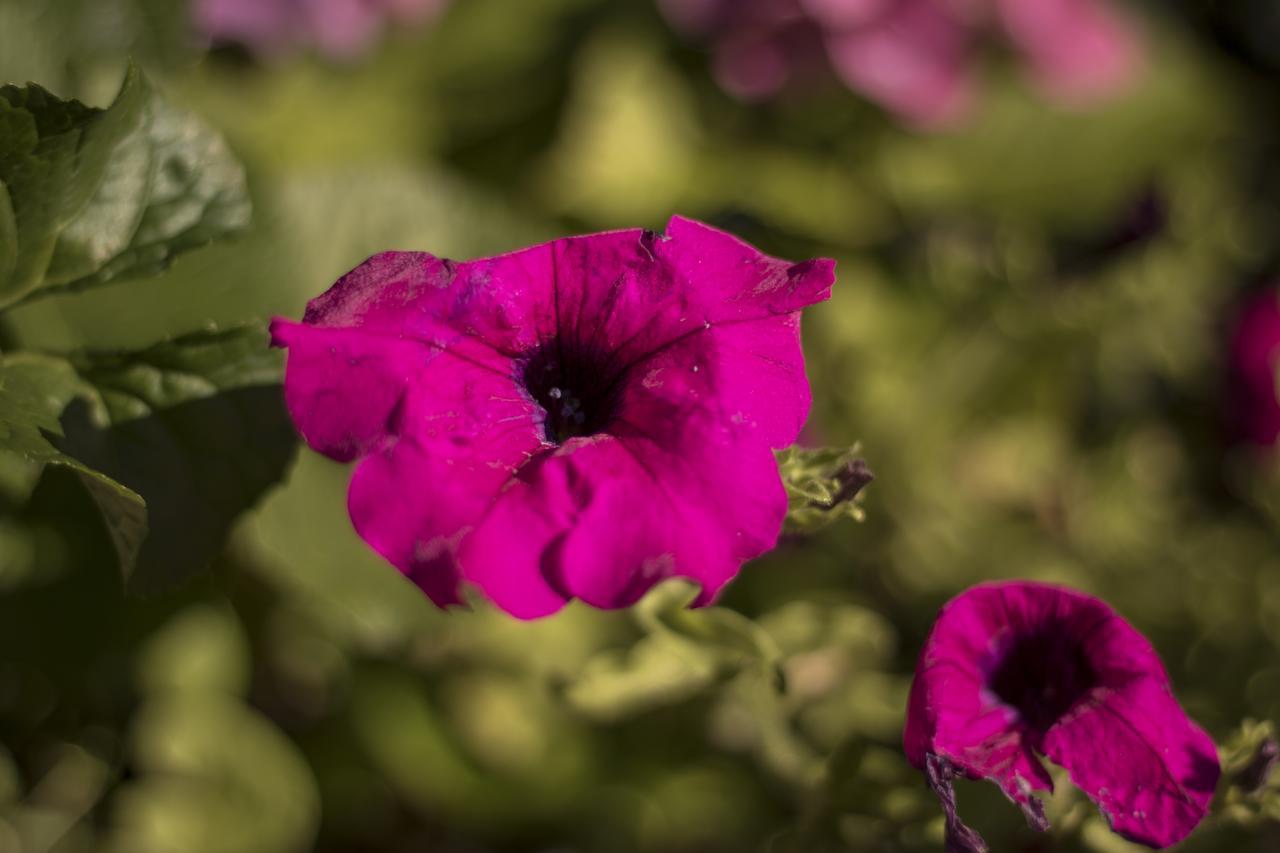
(34, 390)
(194, 426)
(90, 195)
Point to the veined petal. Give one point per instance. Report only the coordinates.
(351, 388)
(653, 514)
(509, 553)
(1150, 769)
(438, 500)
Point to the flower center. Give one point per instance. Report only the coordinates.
(576, 386)
(1042, 676)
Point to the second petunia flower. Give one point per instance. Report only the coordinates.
(580, 419)
(1013, 671)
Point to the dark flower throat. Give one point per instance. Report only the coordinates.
(576, 386)
(1042, 676)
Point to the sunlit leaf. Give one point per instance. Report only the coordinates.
(725, 634)
(652, 673)
(93, 195)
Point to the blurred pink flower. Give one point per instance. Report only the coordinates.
(579, 419)
(341, 29)
(1254, 357)
(916, 58)
(1013, 671)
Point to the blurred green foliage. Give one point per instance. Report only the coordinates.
(1027, 338)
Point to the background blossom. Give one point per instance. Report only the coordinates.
(1253, 403)
(916, 58)
(342, 29)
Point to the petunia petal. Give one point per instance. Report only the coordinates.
(507, 554)
(1151, 770)
(328, 369)
(437, 502)
(730, 280)
(760, 379)
(650, 518)
(441, 429)
(681, 418)
(350, 388)
(632, 532)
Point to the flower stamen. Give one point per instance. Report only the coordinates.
(575, 386)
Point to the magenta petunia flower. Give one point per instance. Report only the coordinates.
(341, 29)
(916, 58)
(1014, 671)
(579, 419)
(1253, 359)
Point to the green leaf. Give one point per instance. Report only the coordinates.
(167, 424)
(616, 684)
(208, 767)
(91, 195)
(8, 235)
(1249, 790)
(823, 485)
(682, 653)
(34, 390)
(202, 649)
(727, 636)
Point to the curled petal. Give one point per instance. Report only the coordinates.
(1015, 670)
(1151, 770)
(731, 280)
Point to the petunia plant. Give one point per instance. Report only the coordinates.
(580, 419)
(90, 196)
